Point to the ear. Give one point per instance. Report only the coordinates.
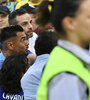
(10, 45)
(68, 23)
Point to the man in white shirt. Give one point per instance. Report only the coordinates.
(22, 18)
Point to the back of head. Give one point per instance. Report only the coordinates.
(12, 16)
(62, 9)
(45, 43)
(11, 72)
(9, 32)
(4, 10)
(59, 10)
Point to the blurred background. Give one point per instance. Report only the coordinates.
(15, 4)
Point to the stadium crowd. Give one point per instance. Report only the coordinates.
(44, 50)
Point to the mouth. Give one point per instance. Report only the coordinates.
(27, 50)
(30, 33)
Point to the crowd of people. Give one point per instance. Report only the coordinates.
(44, 50)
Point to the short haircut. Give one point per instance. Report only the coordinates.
(11, 73)
(45, 43)
(9, 32)
(12, 16)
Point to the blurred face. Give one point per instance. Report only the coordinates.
(20, 43)
(82, 22)
(25, 22)
(3, 20)
(33, 16)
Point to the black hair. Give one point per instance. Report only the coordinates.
(9, 32)
(11, 73)
(45, 42)
(12, 16)
(4, 10)
(28, 9)
(60, 9)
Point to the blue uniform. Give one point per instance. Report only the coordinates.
(19, 96)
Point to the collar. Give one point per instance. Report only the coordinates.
(81, 53)
(42, 57)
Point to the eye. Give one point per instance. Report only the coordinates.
(30, 21)
(25, 23)
(23, 39)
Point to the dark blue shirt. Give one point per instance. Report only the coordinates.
(18, 96)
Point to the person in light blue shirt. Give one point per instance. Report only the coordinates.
(31, 79)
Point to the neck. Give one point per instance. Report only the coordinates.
(6, 53)
(75, 39)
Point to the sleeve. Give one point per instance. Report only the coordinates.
(67, 86)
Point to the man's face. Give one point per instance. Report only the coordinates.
(33, 16)
(3, 20)
(20, 43)
(25, 21)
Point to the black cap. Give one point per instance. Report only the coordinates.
(28, 8)
(4, 10)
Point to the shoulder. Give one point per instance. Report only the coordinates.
(66, 77)
(67, 85)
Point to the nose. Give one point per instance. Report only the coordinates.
(27, 42)
(30, 26)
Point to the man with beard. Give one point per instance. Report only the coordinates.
(13, 39)
(22, 18)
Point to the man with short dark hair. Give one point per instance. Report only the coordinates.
(13, 39)
(22, 18)
(31, 10)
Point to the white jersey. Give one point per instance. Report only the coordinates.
(32, 42)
